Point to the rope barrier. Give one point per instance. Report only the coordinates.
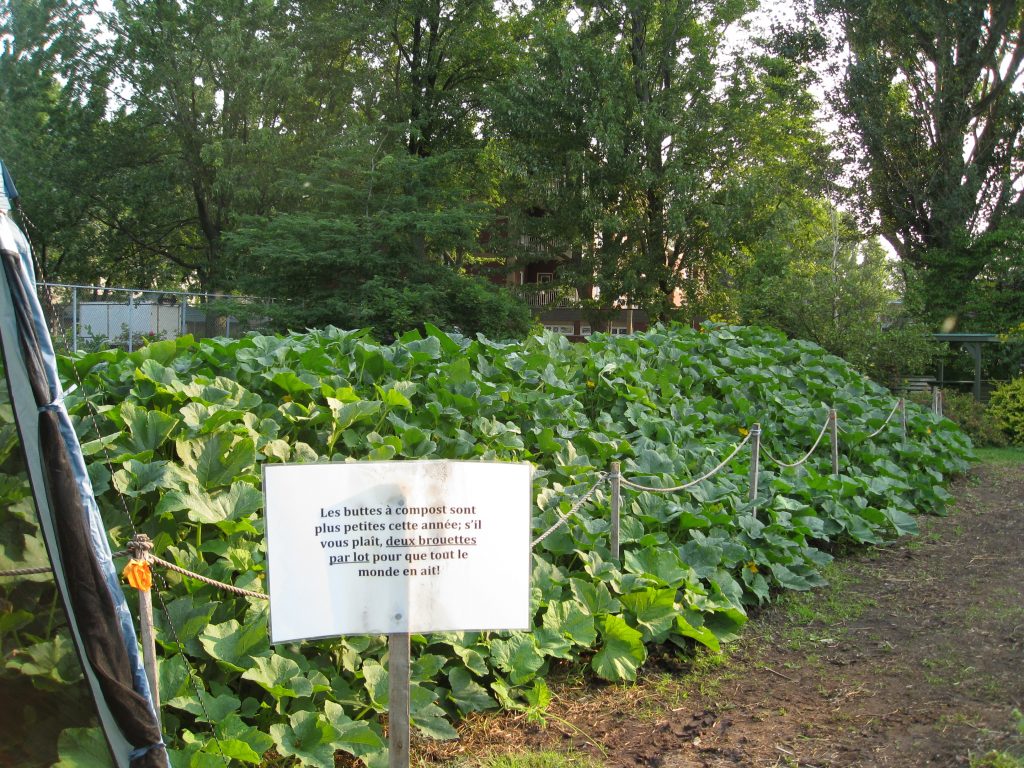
(572, 511)
(884, 424)
(702, 478)
(27, 571)
(807, 455)
(142, 546)
(33, 571)
(206, 580)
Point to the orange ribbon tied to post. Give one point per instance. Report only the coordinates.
(139, 575)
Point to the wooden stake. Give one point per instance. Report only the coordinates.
(148, 638)
(833, 425)
(398, 700)
(755, 458)
(616, 477)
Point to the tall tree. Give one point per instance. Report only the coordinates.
(932, 90)
(209, 88)
(820, 278)
(52, 104)
(638, 134)
(383, 226)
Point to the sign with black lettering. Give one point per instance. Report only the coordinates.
(404, 546)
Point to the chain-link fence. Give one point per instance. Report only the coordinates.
(85, 317)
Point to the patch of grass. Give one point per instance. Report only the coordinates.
(996, 759)
(708, 670)
(999, 455)
(664, 692)
(998, 610)
(545, 759)
(829, 608)
(963, 719)
(706, 661)
(1000, 758)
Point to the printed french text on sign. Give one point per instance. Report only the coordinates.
(383, 547)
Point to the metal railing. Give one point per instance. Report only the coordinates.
(547, 295)
(101, 317)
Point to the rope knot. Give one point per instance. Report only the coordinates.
(140, 546)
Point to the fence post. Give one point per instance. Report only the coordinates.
(139, 547)
(74, 319)
(903, 418)
(148, 638)
(130, 323)
(398, 700)
(616, 478)
(833, 426)
(755, 458)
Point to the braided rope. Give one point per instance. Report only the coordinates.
(885, 423)
(26, 571)
(878, 431)
(205, 579)
(149, 557)
(806, 455)
(47, 568)
(572, 511)
(702, 478)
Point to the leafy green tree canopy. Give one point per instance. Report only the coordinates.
(822, 280)
(351, 252)
(637, 140)
(932, 92)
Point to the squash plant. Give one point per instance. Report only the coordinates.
(177, 431)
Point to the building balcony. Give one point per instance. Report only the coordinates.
(547, 295)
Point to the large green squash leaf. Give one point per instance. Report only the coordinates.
(622, 650)
(307, 736)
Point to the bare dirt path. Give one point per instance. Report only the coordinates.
(913, 657)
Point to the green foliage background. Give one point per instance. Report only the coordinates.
(176, 433)
(1006, 407)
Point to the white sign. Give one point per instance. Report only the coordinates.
(404, 546)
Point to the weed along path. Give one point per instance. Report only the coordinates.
(914, 656)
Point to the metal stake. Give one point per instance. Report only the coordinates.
(616, 477)
(398, 700)
(140, 546)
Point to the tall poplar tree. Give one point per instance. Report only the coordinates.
(933, 92)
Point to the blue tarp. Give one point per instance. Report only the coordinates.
(78, 546)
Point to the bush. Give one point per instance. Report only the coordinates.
(973, 418)
(1007, 409)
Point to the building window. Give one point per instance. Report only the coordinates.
(565, 330)
(620, 330)
(545, 277)
(585, 330)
